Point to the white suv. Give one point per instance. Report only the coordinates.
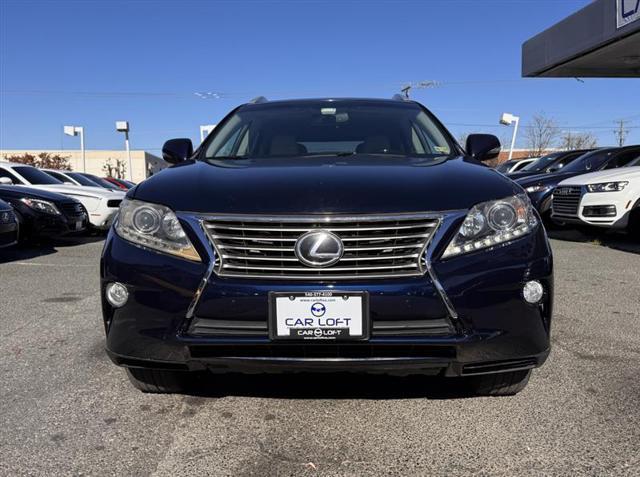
(609, 198)
(102, 204)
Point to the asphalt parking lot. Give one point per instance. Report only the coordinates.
(66, 410)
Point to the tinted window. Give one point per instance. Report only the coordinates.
(14, 179)
(36, 176)
(590, 161)
(541, 164)
(58, 176)
(325, 128)
(566, 160)
(622, 160)
(82, 179)
(101, 182)
(505, 166)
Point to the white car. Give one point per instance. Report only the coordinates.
(101, 204)
(609, 198)
(515, 165)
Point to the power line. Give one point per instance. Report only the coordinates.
(620, 132)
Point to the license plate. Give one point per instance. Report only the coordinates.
(315, 316)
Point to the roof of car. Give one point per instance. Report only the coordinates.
(314, 101)
(13, 164)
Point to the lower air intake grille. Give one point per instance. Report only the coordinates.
(374, 246)
(566, 201)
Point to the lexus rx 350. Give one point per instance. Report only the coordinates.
(328, 235)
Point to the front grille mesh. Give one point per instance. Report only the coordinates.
(374, 247)
(566, 201)
(72, 209)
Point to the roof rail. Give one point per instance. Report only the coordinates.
(400, 97)
(258, 100)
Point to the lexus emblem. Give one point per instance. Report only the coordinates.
(319, 248)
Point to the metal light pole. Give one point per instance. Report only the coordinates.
(123, 126)
(74, 131)
(205, 129)
(508, 119)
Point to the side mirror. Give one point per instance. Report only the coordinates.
(176, 151)
(483, 147)
(5, 181)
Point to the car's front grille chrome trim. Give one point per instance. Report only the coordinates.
(380, 246)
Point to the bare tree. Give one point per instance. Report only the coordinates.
(44, 160)
(116, 171)
(571, 140)
(540, 134)
(462, 139)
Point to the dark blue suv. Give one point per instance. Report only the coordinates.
(328, 235)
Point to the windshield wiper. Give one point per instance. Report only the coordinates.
(223, 158)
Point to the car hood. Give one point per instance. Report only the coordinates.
(82, 191)
(17, 192)
(621, 174)
(362, 184)
(546, 179)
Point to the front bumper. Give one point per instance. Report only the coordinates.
(493, 328)
(601, 209)
(8, 234)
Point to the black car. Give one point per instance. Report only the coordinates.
(328, 235)
(8, 225)
(44, 214)
(553, 162)
(540, 187)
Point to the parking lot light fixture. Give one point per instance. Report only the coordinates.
(205, 130)
(123, 126)
(75, 131)
(508, 119)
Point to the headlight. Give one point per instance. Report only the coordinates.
(536, 188)
(607, 187)
(154, 226)
(492, 223)
(41, 206)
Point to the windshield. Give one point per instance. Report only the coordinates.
(541, 164)
(505, 166)
(590, 161)
(634, 163)
(82, 179)
(101, 182)
(322, 128)
(36, 176)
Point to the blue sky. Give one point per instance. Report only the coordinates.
(90, 63)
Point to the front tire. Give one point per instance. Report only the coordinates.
(158, 381)
(501, 384)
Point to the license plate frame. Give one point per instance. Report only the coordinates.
(323, 296)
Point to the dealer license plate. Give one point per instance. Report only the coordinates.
(325, 315)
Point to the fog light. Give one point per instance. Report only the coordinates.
(533, 292)
(117, 294)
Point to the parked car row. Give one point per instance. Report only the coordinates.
(599, 187)
(37, 203)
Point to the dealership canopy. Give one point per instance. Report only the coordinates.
(601, 40)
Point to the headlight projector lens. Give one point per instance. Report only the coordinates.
(117, 294)
(533, 292)
(146, 220)
(502, 217)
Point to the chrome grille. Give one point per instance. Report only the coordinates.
(566, 200)
(374, 246)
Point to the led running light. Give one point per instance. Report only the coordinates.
(493, 223)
